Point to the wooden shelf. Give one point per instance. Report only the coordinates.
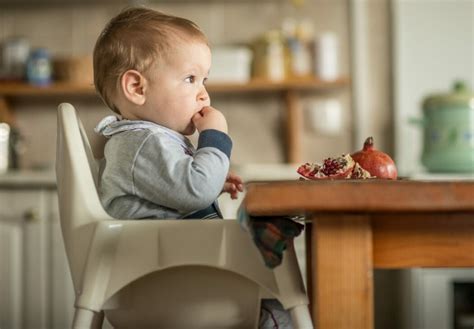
(272, 86)
(289, 89)
(17, 89)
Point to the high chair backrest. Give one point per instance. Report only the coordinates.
(77, 172)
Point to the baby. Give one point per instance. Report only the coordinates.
(151, 69)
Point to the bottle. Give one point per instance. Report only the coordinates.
(300, 58)
(39, 71)
(14, 56)
(275, 56)
(4, 146)
(326, 57)
(298, 37)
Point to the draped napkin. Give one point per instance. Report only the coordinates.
(271, 234)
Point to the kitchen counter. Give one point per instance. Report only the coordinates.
(28, 179)
(47, 178)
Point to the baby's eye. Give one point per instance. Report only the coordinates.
(191, 79)
(204, 82)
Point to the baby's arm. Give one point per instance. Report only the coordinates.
(165, 175)
(210, 118)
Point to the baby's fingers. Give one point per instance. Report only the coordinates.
(232, 189)
(233, 178)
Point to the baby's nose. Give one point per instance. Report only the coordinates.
(204, 98)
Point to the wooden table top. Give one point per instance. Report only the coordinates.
(295, 197)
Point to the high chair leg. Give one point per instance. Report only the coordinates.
(87, 319)
(98, 320)
(300, 317)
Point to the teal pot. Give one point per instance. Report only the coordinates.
(448, 125)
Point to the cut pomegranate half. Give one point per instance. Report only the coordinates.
(360, 173)
(332, 168)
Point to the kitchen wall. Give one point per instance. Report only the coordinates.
(254, 120)
(433, 48)
(371, 72)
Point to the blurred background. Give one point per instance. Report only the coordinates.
(271, 40)
(298, 80)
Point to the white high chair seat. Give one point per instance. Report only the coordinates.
(160, 273)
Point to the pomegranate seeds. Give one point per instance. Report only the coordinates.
(332, 168)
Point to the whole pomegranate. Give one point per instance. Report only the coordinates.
(377, 163)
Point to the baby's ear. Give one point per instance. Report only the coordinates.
(133, 85)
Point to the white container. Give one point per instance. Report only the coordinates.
(324, 117)
(14, 55)
(230, 64)
(275, 60)
(4, 147)
(326, 56)
(300, 58)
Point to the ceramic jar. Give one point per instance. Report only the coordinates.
(448, 131)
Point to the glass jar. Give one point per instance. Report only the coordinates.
(39, 71)
(270, 57)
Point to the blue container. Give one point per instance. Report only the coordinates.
(38, 69)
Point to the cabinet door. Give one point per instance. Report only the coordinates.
(428, 296)
(11, 269)
(23, 214)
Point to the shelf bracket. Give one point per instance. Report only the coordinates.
(6, 113)
(294, 125)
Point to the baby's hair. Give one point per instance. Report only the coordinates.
(136, 39)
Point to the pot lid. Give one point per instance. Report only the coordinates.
(460, 96)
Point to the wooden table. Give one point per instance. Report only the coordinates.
(354, 227)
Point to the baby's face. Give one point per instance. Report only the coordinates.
(177, 91)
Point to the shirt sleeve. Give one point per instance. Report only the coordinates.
(163, 172)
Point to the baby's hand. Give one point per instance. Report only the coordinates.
(210, 118)
(233, 185)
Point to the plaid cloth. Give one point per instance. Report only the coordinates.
(271, 234)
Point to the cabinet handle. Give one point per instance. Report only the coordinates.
(31, 216)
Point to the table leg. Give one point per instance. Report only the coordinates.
(342, 272)
(309, 265)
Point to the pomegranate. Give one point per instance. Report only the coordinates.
(360, 173)
(377, 163)
(332, 168)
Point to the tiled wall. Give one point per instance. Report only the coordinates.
(254, 120)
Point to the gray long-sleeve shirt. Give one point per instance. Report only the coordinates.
(150, 171)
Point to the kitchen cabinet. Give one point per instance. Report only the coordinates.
(11, 252)
(428, 297)
(289, 90)
(35, 288)
(23, 222)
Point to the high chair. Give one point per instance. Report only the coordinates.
(160, 273)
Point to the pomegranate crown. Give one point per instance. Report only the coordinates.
(369, 143)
